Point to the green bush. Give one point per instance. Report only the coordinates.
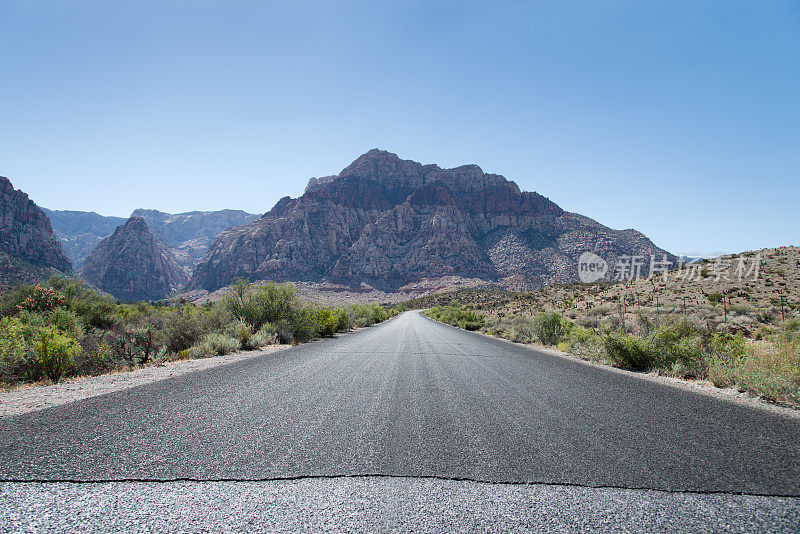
(265, 336)
(583, 342)
(215, 344)
(96, 356)
(549, 328)
(266, 303)
(325, 321)
(678, 344)
(772, 370)
(362, 315)
(181, 330)
(628, 351)
(466, 319)
(15, 364)
(54, 351)
(725, 354)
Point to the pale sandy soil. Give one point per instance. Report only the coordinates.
(34, 398)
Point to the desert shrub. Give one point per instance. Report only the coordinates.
(790, 329)
(677, 346)
(266, 304)
(763, 332)
(181, 331)
(521, 330)
(583, 342)
(215, 344)
(629, 351)
(242, 332)
(67, 321)
(265, 336)
(146, 335)
(325, 321)
(54, 351)
(15, 361)
(283, 329)
(772, 370)
(96, 356)
(589, 322)
(725, 354)
(466, 319)
(549, 328)
(599, 311)
(362, 315)
(303, 325)
(342, 319)
(41, 299)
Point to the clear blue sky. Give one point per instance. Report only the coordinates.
(680, 119)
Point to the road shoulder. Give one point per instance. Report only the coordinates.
(31, 399)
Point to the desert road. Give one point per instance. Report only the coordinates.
(408, 425)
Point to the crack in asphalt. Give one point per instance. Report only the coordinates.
(138, 480)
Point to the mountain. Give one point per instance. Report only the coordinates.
(132, 264)
(29, 250)
(79, 231)
(391, 223)
(187, 234)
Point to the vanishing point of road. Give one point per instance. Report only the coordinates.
(408, 425)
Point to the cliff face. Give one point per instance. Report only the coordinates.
(186, 234)
(131, 264)
(79, 231)
(26, 238)
(389, 222)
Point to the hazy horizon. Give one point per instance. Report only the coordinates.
(677, 119)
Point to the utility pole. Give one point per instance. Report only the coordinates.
(783, 314)
(725, 304)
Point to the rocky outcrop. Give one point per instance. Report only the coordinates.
(189, 234)
(389, 222)
(79, 231)
(186, 234)
(29, 246)
(132, 264)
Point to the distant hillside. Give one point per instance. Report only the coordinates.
(29, 250)
(390, 224)
(132, 264)
(764, 297)
(80, 231)
(187, 234)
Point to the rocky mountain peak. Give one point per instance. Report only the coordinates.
(132, 264)
(389, 222)
(25, 231)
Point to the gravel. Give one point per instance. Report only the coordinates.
(379, 504)
(35, 398)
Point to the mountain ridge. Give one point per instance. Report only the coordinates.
(29, 247)
(389, 222)
(132, 264)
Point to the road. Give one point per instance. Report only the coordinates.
(414, 398)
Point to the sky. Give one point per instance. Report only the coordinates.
(678, 118)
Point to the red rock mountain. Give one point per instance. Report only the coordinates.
(389, 222)
(29, 250)
(132, 264)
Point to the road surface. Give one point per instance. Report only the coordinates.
(413, 398)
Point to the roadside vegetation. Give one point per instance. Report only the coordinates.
(63, 328)
(743, 334)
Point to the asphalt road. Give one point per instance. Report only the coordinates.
(414, 398)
